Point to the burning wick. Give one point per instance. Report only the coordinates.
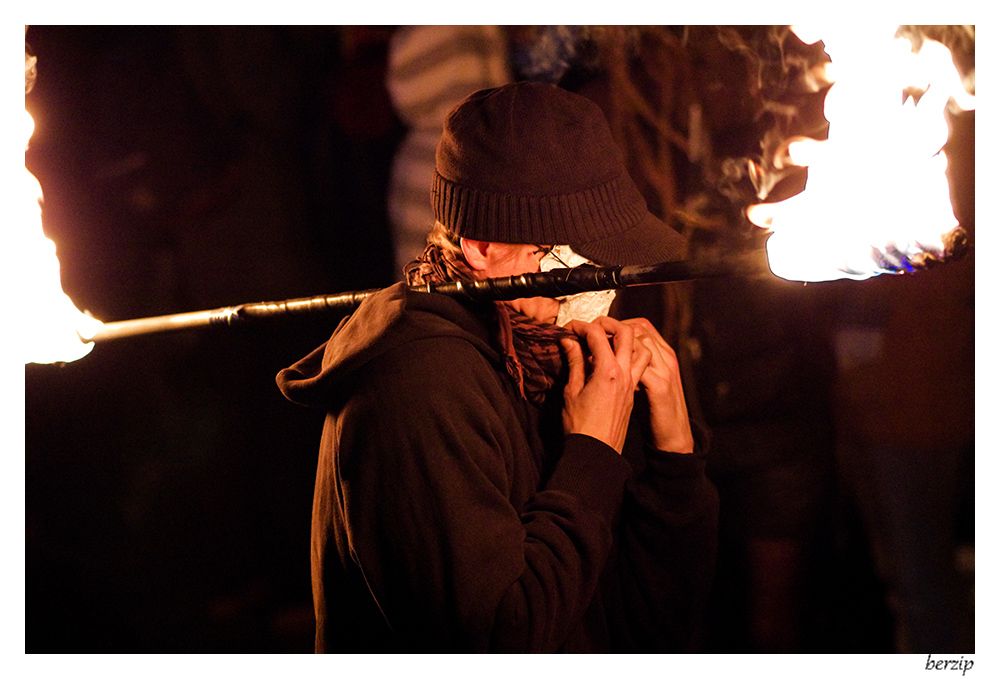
(56, 328)
(877, 199)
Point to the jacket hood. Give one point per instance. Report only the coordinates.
(389, 319)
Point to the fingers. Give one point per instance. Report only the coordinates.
(641, 358)
(647, 334)
(669, 425)
(646, 330)
(574, 359)
(624, 339)
(631, 356)
(599, 404)
(605, 360)
(663, 373)
(597, 342)
(633, 347)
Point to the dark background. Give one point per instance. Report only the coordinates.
(168, 484)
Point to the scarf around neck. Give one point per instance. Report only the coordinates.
(531, 351)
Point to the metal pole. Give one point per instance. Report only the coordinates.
(554, 283)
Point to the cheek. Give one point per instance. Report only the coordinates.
(524, 260)
(512, 260)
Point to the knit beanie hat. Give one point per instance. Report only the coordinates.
(532, 163)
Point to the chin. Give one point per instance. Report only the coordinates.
(544, 309)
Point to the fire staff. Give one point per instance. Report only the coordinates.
(488, 479)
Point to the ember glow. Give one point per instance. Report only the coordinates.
(877, 197)
(55, 325)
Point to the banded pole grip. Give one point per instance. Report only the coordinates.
(554, 283)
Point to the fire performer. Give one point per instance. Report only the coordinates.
(483, 481)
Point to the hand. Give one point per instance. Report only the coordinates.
(668, 414)
(599, 404)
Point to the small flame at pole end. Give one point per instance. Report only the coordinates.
(56, 330)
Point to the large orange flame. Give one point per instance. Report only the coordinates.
(877, 192)
(54, 324)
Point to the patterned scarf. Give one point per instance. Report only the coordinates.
(530, 347)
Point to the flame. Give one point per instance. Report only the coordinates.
(55, 327)
(877, 193)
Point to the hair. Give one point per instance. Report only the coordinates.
(443, 237)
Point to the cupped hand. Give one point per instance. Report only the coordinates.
(600, 391)
(668, 414)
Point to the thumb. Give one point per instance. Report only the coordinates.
(641, 358)
(574, 359)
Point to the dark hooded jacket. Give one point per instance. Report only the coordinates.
(450, 514)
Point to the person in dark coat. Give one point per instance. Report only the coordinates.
(488, 479)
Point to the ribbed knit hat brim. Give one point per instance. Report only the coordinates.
(532, 163)
(649, 242)
(604, 228)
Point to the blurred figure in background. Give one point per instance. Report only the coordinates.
(905, 430)
(432, 69)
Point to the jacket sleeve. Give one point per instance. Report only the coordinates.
(657, 587)
(427, 454)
